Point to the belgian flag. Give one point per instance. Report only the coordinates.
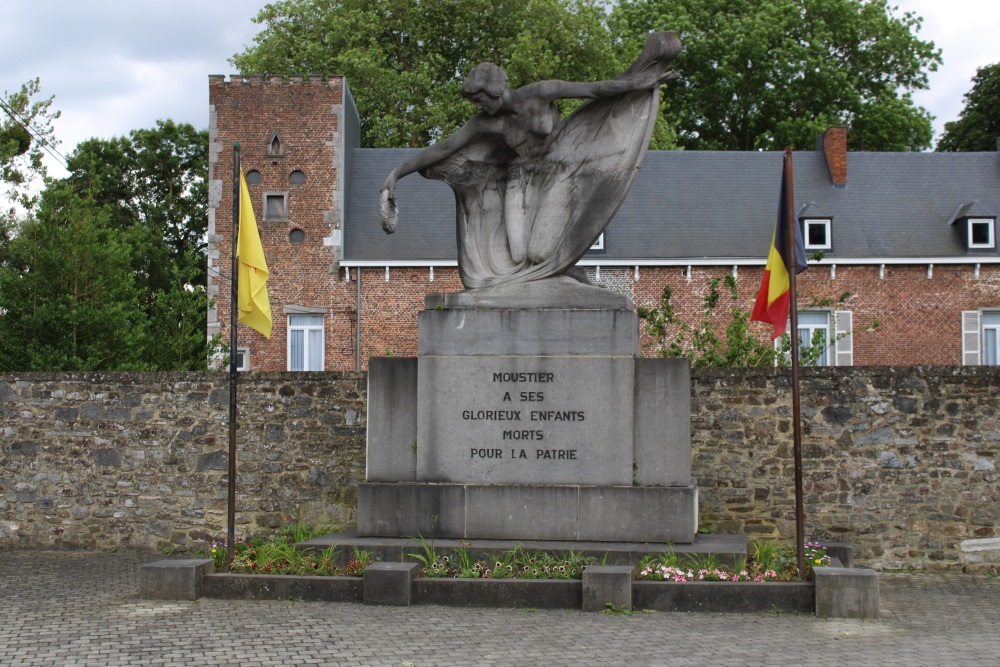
(774, 297)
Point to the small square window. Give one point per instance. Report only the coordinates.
(816, 233)
(275, 206)
(599, 243)
(243, 359)
(981, 236)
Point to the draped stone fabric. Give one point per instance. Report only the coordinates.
(566, 197)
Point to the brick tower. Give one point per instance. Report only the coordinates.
(295, 138)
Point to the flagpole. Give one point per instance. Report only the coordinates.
(794, 335)
(233, 319)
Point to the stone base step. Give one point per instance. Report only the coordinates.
(725, 548)
(661, 514)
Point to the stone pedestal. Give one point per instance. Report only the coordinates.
(529, 424)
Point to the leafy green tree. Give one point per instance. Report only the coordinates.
(765, 74)
(155, 184)
(109, 274)
(978, 126)
(20, 152)
(405, 60)
(67, 292)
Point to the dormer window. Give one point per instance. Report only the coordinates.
(981, 233)
(274, 145)
(816, 233)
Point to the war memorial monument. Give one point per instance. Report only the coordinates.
(528, 413)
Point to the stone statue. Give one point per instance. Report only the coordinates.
(534, 191)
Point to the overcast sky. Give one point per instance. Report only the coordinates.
(118, 65)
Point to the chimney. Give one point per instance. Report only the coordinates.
(833, 143)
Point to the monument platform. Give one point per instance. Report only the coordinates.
(528, 423)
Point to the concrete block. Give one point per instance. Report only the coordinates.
(846, 592)
(549, 332)
(843, 551)
(392, 419)
(663, 422)
(390, 583)
(522, 512)
(409, 510)
(174, 579)
(525, 420)
(638, 514)
(605, 585)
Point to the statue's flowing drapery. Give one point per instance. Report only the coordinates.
(567, 196)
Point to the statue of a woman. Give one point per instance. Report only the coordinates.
(533, 191)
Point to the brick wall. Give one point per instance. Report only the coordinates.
(918, 317)
(900, 461)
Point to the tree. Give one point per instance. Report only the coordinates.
(702, 344)
(21, 150)
(978, 125)
(67, 292)
(765, 74)
(109, 274)
(405, 60)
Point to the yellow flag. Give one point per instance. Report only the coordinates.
(255, 309)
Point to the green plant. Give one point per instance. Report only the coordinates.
(616, 609)
(169, 551)
(359, 562)
(429, 554)
(702, 343)
(776, 610)
(765, 553)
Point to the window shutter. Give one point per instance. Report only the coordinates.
(843, 349)
(970, 337)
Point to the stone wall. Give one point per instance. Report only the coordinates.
(900, 461)
(141, 460)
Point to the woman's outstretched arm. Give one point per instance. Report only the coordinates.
(435, 152)
(556, 89)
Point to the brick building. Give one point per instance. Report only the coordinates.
(909, 237)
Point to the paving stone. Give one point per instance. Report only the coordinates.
(72, 608)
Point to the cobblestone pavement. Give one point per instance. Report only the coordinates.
(83, 609)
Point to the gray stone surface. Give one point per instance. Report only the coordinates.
(561, 292)
(529, 512)
(392, 419)
(174, 579)
(409, 510)
(82, 608)
(724, 548)
(636, 513)
(846, 593)
(390, 583)
(522, 512)
(506, 332)
(569, 423)
(663, 422)
(608, 586)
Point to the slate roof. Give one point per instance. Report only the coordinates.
(706, 204)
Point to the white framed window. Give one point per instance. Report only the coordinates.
(275, 205)
(814, 331)
(816, 233)
(830, 331)
(981, 233)
(599, 243)
(305, 343)
(243, 359)
(981, 337)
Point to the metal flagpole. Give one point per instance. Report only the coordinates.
(790, 222)
(233, 319)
